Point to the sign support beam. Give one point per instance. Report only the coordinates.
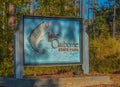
(18, 52)
(84, 43)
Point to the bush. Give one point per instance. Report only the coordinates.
(104, 55)
(6, 68)
(51, 70)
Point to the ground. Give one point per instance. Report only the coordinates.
(114, 77)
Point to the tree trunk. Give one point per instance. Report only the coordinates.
(114, 24)
(3, 13)
(11, 16)
(93, 18)
(31, 5)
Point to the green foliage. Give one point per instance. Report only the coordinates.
(103, 23)
(6, 68)
(51, 70)
(100, 26)
(104, 51)
(45, 8)
(104, 55)
(57, 8)
(6, 40)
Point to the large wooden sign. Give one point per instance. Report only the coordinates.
(51, 40)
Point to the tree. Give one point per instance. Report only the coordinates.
(103, 22)
(10, 11)
(57, 8)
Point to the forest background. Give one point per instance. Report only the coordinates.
(102, 23)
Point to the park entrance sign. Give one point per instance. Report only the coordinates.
(51, 40)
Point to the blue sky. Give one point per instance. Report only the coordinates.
(86, 6)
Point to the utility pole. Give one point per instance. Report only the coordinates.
(114, 24)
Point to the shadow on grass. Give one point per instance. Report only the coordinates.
(12, 82)
(116, 72)
(46, 83)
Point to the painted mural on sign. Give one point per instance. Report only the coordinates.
(50, 40)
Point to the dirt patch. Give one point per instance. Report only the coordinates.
(102, 86)
(116, 79)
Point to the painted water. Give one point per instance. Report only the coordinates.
(62, 31)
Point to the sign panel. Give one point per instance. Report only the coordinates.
(51, 40)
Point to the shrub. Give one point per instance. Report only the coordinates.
(104, 55)
(6, 68)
